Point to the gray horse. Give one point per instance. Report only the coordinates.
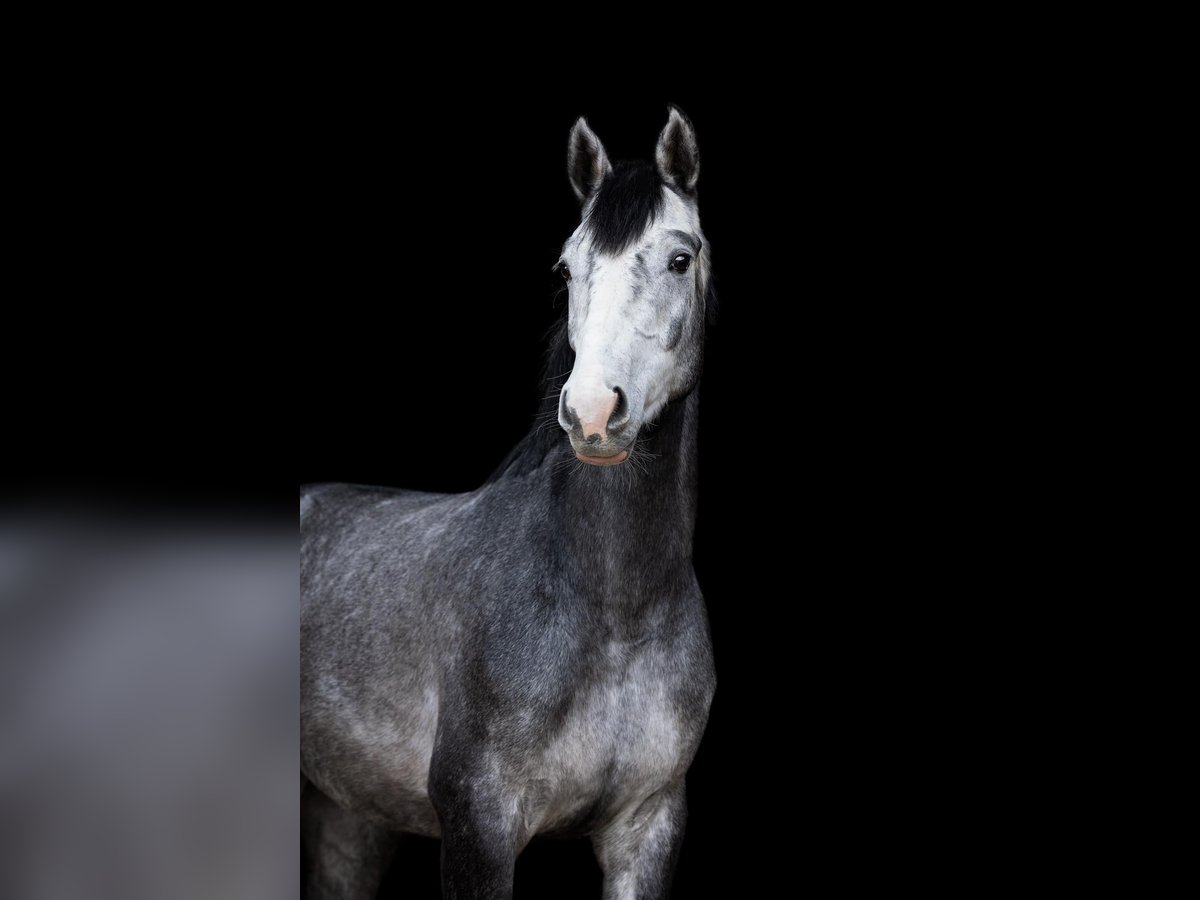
(532, 657)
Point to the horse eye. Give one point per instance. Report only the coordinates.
(564, 271)
(680, 263)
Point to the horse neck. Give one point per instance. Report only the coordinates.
(628, 528)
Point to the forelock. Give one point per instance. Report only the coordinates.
(625, 205)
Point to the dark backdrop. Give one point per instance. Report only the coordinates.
(862, 453)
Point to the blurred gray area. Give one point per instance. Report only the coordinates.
(148, 707)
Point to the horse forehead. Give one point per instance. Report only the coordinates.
(663, 236)
(676, 214)
(630, 267)
(679, 212)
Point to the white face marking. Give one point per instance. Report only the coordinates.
(634, 324)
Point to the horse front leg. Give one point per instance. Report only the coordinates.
(638, 851)
(343, 857)
(478, 818)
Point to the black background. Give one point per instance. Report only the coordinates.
(420, 368)
(350, 264)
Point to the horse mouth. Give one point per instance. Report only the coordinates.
(602, 460)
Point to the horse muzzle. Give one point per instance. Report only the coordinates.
(598, 425)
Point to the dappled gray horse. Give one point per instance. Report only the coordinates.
(532, 657)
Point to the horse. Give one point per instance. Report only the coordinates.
(532, 657)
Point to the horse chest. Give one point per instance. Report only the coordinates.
(622, 739)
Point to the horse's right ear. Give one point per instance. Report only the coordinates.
(587, 163)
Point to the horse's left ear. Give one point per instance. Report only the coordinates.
(677, 156)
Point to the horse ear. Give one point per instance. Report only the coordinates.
(587, 163)
(677, 156)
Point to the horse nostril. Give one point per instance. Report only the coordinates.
(566, 413)
(619, 411)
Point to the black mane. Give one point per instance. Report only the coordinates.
(529, 452)
(626, 203)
